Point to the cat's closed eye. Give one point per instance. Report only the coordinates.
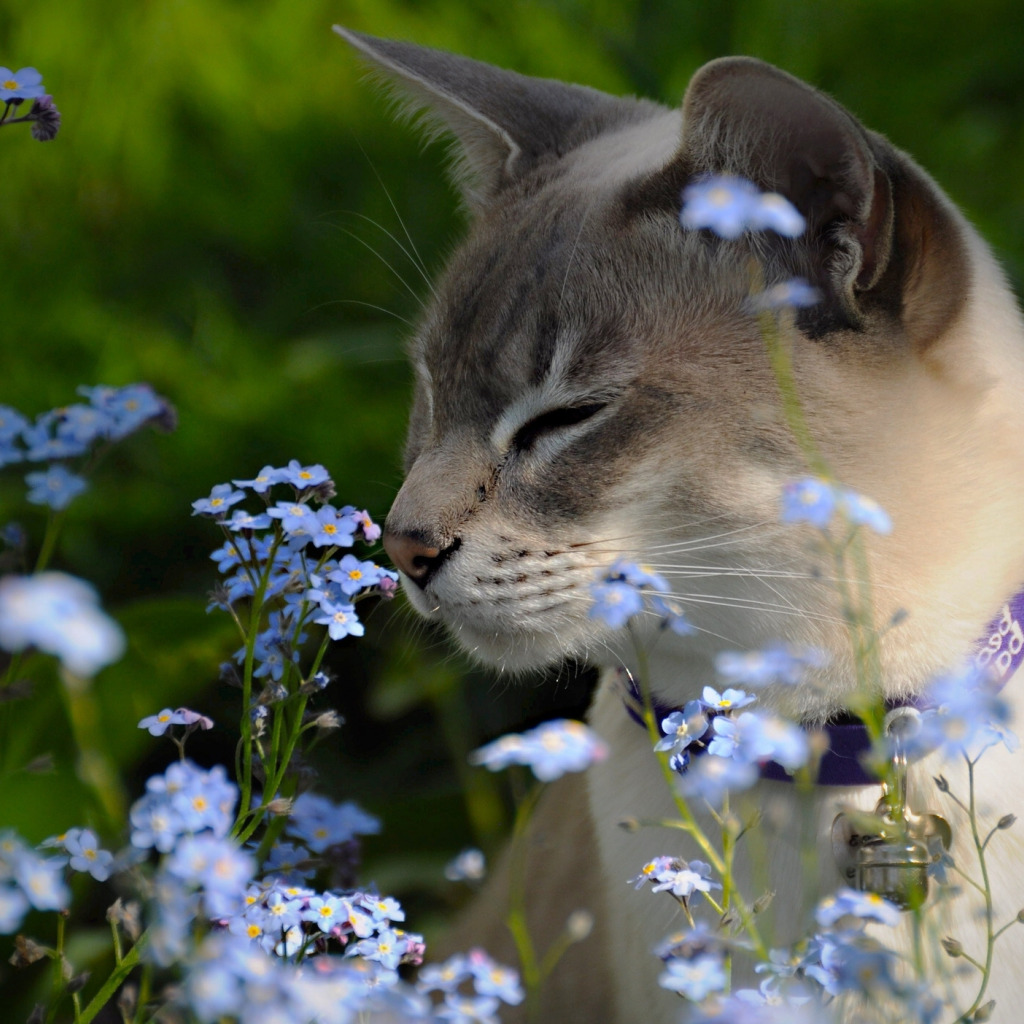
(552, 421)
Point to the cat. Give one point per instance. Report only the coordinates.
(589, 387)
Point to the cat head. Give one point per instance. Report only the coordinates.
(590, 384)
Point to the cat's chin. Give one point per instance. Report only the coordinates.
(523, 652)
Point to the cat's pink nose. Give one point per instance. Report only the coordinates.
(412, 556)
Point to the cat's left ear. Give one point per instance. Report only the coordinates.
(882, 243)
(504, 124)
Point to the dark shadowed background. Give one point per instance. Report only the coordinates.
(229, 213)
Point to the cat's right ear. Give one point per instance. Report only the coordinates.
(504, 124)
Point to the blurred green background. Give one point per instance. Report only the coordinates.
(227, 213)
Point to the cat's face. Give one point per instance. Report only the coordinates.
(590, 387)
(575, 404)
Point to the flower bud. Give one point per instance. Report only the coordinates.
(27, 951)
(1006, 821)
(985, 1012)
(940, 781)
(763, 902)
(579, 925)
(952, 946)
(328, 720)
(79, 981)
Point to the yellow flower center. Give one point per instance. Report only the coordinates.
(11, 83)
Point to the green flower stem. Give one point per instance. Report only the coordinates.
(255, 614)
(782, 367)
(281, 759)
(58, 969)
(53, 524)
(990, 937)
(516, 918)
(121, 971)
(143, 997)
(688, 821)
(95, 767)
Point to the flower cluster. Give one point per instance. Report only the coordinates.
(734, 744)
(27, 84)
(816, 501)
(550, 750)
(28, 879)
(730, 206)
(625, 589)
(679, 877)
(71, 431)
(60, 615)
(966, 713)
(269, 551)
(778, 664)
(472, 987)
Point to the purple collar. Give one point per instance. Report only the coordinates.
(1000, 651)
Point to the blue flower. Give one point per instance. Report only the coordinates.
(809, 500)
(55, 487)
(730, 700)
(86, 855)
(682, 728)
(861, 510)
(776, 664)
(227, 557)
(468, 866)
(696, 979)
(756, 737)
(868, 906)
(340, 619)
(217, 866)
(852, 962)
(41, 880)
(460, 1009)
(969, 715)
(221, 498)
(24, 84)
(301, 477)
(683, 879)
(263, 480)
(12, 423)
(130, 407)
(82, 424)
(615, 603)
(320, 823)
(671, 617)
(242, 520)
(794, 293)
(550, 750)
(730, 206)
(815, 501)
(331, 527)
(159, 723)
(710, 778)
(59, 615)
(493, 979)
(639, 576)
(353, 575)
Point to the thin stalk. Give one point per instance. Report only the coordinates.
(516, 919)
(117, 976)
